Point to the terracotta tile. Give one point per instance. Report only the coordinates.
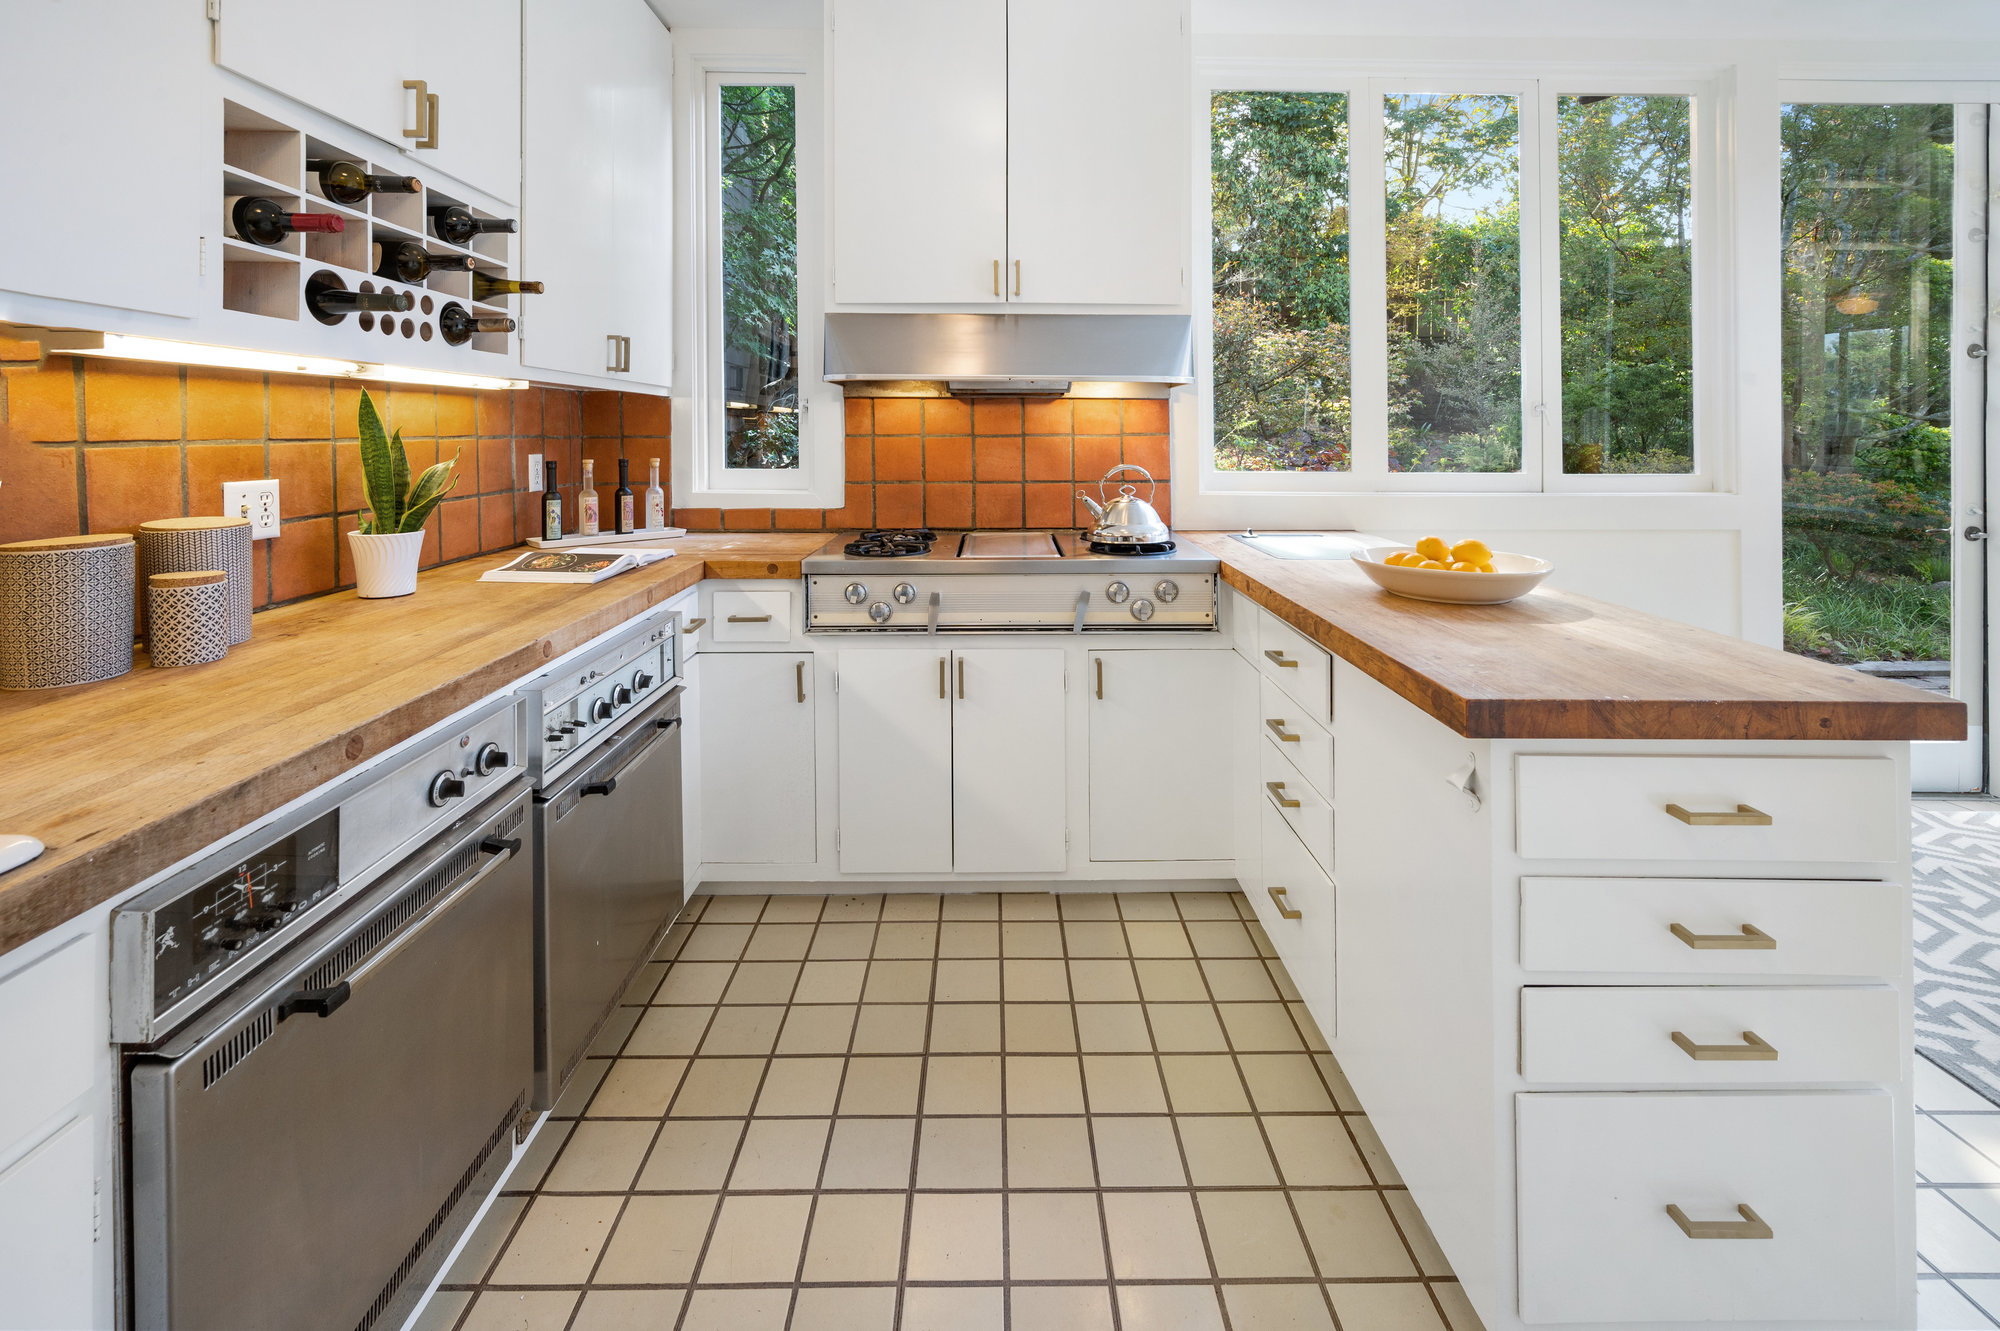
(347, 410)
(858, 512)
(260, 573)
(411, 410)
(1050, 504)
(1146, 415)
(860, 458)
(459, 523)
(18, 349)
(947, 415)
(433, 544)
(1163, 502)
(299, 408)
(1047, 417)
(899, 458)
(998, 459)
(561, 413)
(127, 486)
(603, 455)
(948, 505)
(131, 400)
(1148, 451)
(1000, 415)
(302, 559)
(600, 415)
(305, 477)
(998, 505)
(40, 489)
(527, 514)
(455, 414)
(496, 522)
(41, 404)
(898, 415)
(224, 404)
(423, 453)
(350, 490)
(860, 415)
(947, 458)
(209, 465)
(1097, 416)
(494, 466)
(1047, 457)
(899, 505)
(527, 411)
(698, 519)
(746, 519)
(1095, 455)
(798, 519)
(493, 412)
(647, 415)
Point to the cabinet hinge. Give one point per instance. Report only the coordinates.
(201, 256)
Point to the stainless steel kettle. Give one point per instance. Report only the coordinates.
(1126, 519)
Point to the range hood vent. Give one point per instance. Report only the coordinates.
(1018, 355)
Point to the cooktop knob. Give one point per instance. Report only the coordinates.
(880, 612)
(1166, 589)
(856, 593)
(446, 786)
(1142, 610)
(601, 710)
(490, 758)
(1116, 593)
(621, 696)
(904, 593)
(641, 682)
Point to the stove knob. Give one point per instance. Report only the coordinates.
(856, 593)
(556, 737)
(904, 593)
(445, 786)
(880, 612)
(621, 696)
(1142, 610)
(1116, 593)
(641, 682)
(601, 710)
(490, 759)
(1166, 589)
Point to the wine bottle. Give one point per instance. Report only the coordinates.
(263, 221)
(486, 288)
(551, 506)
(407, 261)
(456, 224)
(623, 496)
(586, 501)
(656, 501)
(457, 324)
(347, 182)
(330, 301)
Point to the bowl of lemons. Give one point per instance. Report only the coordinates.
(1462, 573)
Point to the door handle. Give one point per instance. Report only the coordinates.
(1752, 939)
(1751, 1226)
(604, 787)
(1745, 816)
(941, 674)
(802, 677)
(315, 1002)
(996, 277)
(1282, 661)
(1100, 679)
(694, 625)
(426, 132)
(1752, 1050)
(1017, 277)
(961, 679)
(1277, 725)
(494, 845)
(1277, 789)
(1285, 910)
(666, 723)
(749, 619)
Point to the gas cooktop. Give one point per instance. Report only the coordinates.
(992, 552)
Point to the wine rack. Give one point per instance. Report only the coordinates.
(262, 155)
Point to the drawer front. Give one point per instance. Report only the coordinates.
(1597, 1172)
(1705, 1036)
(1727, 927)
(1305, 742)
(762, 615)
(1832, 810)
(47, 1036)
(1305, 944)
(688, 605)
(1296, 664)
(1302, 807)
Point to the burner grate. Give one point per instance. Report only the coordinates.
(1132, 547)
(889, 543)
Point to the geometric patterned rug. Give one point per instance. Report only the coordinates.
(1955, 852)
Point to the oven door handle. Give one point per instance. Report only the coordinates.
(431, 917)
(316, 1002)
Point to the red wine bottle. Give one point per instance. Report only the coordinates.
(485, 288)
(457, 324)
(346, 182)
(330, 301)
(456, 224)
(622, 496)
(263, 221)
(552, 517)
(407, 261)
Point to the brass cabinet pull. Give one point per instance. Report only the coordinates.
(1285, 912)
(1277, 725)
(749, 619)
(1017, 277)
(1100, 679)
(802, 678)
(1745, 816)
(961, 679)
(996, 277)
(1752, 1050)
(1277, 789)
(1751, 1226)
(1279, 657)
(694, 625)
(426, 132)
(941, 670)
(1752, 939)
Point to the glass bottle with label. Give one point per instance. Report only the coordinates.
(552, 519)
(586, 501)
(656, 501)
(623, 497)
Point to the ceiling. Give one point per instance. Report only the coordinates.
(738, 13)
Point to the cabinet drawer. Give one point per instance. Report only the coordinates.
(1698, 1036)
(688, 604)
(1627, 925)
(1834, 810)
(1305, 944)
(1597, 1173)
(1294, 800)
(1307, 743)
(762, 615)
(48, 1037)
(1297, 664)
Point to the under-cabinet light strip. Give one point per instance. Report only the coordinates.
(122, 347)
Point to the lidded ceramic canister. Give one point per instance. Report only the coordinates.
(66, 610)
(187, 617)
(181, 545)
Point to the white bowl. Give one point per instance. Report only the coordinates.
(1513, 576)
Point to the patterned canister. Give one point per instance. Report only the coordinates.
(187, 617)
(66, 610)
(183, 545)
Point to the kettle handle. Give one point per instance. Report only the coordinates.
(1152, 486)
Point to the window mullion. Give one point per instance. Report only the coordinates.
(1544, 378)
(1368, 282)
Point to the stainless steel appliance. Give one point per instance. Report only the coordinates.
(608, 875)
(982, 581)
(1126, 524)
(327, 1025)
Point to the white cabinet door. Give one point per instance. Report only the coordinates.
(47, 1238)
(1097, 151)
(895, 761)
(46, 1040)
(597, 164)
(1160, 754)
(919, 172)
(756, 758)
(1008, 793)
(105, 207)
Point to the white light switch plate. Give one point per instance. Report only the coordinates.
(534, 471)
(255, 500)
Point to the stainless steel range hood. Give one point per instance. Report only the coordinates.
(1037, 355)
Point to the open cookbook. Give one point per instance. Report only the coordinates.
(580, 566)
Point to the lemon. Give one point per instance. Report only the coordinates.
(1434, 548)
(1486, 568)
(1471, 552)
(1433, 563)
(1462, 566)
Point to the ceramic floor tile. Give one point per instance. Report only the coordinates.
(965, 1028)
(1260, 940)
(1028, 906)
(558, 1241)
(793, 909)
(1185, 1028)
(818, 1029)
(1154, 1236)
(676, 939)
(1276, 1308)
(1980, 1131)
(1094, 938)
(1238, 980)
(1203, 1084)
(691, 1157)
(733, 908)
(906, 940)
(1308, 1029)
(1054, 1236)
(843, 942)
(831, 982)
(1049, 1153)
(1374, 1152)
(582, 1086)
(856, 1238)
(795, 1086)
(1087, 906)
(1147, 906)
(780, 1154)
(954, 1236)
(1040, 1028)
(1060, 1308)
(669, 1032)
(763, 982)
(475, 1257)
(1226, 1152)
(1031, 938)
(881, 1086)
(658, 1241)
(442, 1310)
(975, 1308)
(1032, 980)
(1260, 1027)
(1251, 1236)
(962, 1084)
(756, 1240)
(1206, 905)
(1112, 1028)
(1170, 1308)
(1385, 1307)
(854, 907)
(1984, 1291)
(891, 1028)
(1343, 1094)
(533, 1166)
(1137, 1153)
(1314, 1151)
(1940, 1307)
(628, 1309)
(777, 942)
(968, 938)
(972, 906)
(1159, 938)
(1285, 1084)
(898, 982)
(520, 1310)
(699, 982)
(1951, 1240)
(737, 1310)
(1458, 1313)
(618, 1024)
(1169, 981)
(1352, 1236)
(959, 1153)
(715, 942)
(1123, 1084)
(601, 1156)
(637, 1088)
(1417, 1232)
(968, 981)
(910, 906)
(824, 1309)
(1217, 939)
(743, 1030)
(1102, 981)
(1280, 981)
(1044, 1084)
(869, 1153)
(716, 1088)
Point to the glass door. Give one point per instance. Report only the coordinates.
(1884, 330)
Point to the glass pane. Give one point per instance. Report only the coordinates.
(1452, 206)
(1867, 196)
(1627, 285)
(760, 276)
(1278, 170)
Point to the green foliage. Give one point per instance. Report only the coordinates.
(395, 505)
(760, 273)
(1280, 392)
(1861, 616)
(765, 439)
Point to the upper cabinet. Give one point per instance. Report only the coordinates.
(440, 78)
(1009, 151)
(597, 162)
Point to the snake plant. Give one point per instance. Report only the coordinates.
(395, 505)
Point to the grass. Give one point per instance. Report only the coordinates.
(1863, 616)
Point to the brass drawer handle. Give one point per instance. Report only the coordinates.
(1751, 1226)
(1277, 726)
(694, 625)
(1285, 912)
(1745, 816)
(749, 619)
(1752, 939)
(1277, 789)
(1279, 657)
(1100, 679)
(996, 277)
(941, 669)
(802, 682)
(1752, 1050)
(961, 679)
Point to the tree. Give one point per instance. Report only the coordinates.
(760, 273)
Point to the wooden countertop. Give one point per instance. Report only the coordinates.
(1555, 665)
(122, 778)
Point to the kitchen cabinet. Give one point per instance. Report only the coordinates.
(757, 770)
(596, 167)
(48, 1223)
(895, 761)
(1051, 135)
(1008, 743)
(1160, 754)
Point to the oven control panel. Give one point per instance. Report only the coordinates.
(1067, 598)
(598, 692)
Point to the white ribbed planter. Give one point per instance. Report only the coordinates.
(386, 565)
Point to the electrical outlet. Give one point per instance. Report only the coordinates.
(255, 500)
(535, 471)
